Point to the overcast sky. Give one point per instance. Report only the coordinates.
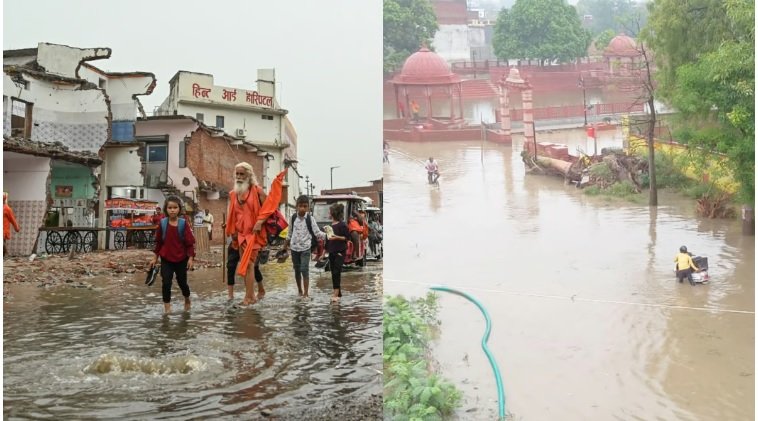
(327, 55)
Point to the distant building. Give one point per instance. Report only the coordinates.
(463, 35)
(375, 192)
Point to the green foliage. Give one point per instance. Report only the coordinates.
(621, 190)
(604, 39)
(547, 30)
(699, 190)
(705, 51)
(680, 31)
(610, 15)
(407, 25)
(592, 191)
(624, 189)
(668, 173)
(601, 171)
(412, 391)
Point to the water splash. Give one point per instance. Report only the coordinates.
(116, 364)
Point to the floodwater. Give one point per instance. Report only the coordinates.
(588, 319)
(109, 353)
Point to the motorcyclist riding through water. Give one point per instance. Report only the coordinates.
(432, 170)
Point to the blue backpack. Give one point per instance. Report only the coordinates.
(164, 227)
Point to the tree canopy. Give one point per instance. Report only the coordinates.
(705, 49)
(407, 25)
(546, 30)
(611, 14)
(679, 32)
(603, 39)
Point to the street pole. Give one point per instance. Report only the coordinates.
(584, 99)
(307, 191)
(473, 61)
(331, 177)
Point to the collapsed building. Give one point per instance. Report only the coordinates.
(59, 112)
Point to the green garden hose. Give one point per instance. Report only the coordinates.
(485, 338)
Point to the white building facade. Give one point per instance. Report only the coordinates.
(252, 116)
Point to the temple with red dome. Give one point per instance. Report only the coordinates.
(428, 99)
(621, 55)
(427, 75)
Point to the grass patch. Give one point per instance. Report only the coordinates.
(412, 390)
(623, 191)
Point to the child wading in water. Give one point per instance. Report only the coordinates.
(337, 247)
(175, 244)
(300, 241)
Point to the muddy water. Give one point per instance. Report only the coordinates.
(109, 353)
(566, 278)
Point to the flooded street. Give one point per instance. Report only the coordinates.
(109, 353)
(588, 319)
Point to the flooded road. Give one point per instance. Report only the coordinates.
(588, 319)
(109, 353)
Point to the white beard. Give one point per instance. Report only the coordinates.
(241, 187)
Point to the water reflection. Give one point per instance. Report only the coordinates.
(565, 277)
(435, 199)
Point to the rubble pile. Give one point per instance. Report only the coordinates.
(62, 269)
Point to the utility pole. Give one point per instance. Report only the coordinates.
(331, 177)
(584, 98)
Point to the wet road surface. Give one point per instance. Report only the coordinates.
(109, 353)
(566, 278)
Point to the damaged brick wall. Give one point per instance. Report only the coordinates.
(212, 161)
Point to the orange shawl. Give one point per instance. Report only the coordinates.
(8, 219)
(253, 212)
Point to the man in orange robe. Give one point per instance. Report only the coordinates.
(246, 218)
(8, 219)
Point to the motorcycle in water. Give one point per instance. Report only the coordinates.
(701, 276)
(433, 177)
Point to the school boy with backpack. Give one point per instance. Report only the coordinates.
(302, 239)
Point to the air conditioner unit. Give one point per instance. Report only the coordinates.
(240, 132)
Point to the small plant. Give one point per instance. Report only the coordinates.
(412, 390)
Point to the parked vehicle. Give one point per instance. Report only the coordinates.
(320, 210)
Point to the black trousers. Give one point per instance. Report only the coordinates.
(335, 266)
(168, 269)
(232, 259)
(685, 273)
